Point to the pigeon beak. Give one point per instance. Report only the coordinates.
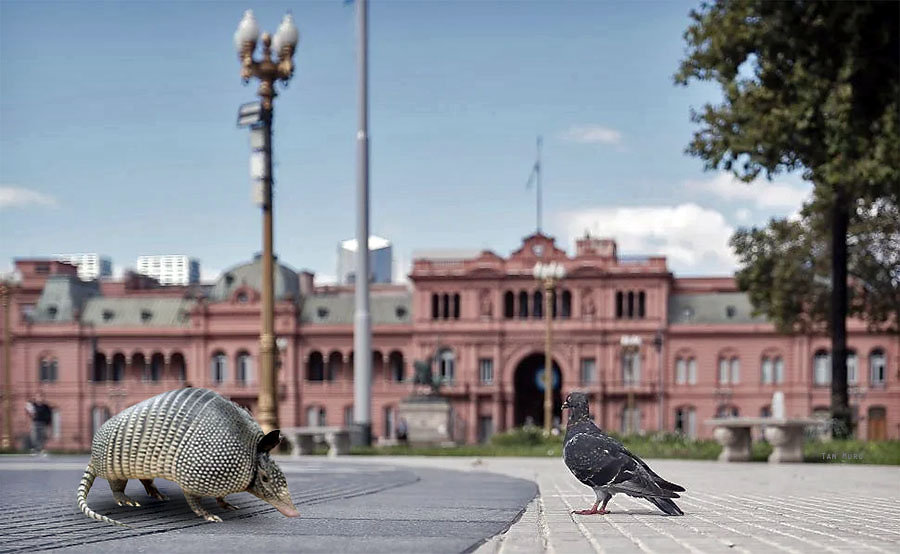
(565, 405)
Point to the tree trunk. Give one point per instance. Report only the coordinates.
(840, 405)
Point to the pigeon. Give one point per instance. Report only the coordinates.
(604, 464)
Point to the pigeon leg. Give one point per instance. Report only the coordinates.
(594, 510)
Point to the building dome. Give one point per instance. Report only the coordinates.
(249, 275)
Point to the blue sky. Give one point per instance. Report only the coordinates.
(117, 132)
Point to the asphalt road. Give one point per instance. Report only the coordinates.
(344, 507)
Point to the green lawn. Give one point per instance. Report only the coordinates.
(531, 442)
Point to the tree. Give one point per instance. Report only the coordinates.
(810, 86)
(785, 268)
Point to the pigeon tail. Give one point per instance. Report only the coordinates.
(667, 506)
(663, 484)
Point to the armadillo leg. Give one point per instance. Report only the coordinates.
(194, 503)
(225, 505)
(152, 490)
(118, 492)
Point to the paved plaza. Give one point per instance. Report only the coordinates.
(454, 504)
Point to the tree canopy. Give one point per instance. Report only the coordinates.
(807, 85)
(785, 268)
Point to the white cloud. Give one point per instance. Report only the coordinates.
(693, 239)
(592, 134)
(17, 197)
(743, 215)
(761, 192)
(325, 279)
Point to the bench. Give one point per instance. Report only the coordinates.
(303, 440)
(785, 436)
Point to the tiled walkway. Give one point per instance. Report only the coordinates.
(728, 507)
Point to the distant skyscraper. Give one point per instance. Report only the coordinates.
(90, 266)
(380, 260)
(169, 269)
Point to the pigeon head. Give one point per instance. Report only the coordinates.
(577, 403)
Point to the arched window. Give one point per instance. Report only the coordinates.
(779, 370)
(642, 301)
(335, 363)
(456, 306)
(631, 367)
(566, 303)
(446, 365)
(139, 365)
(729, 371)
(446, 305)
(99, 415)
(767, 371)
(157, 362)
(244, 368)
(99, 373)
(852, 367)
(538, 305)
(315, 416)
(822, 368)
(727, 410)
(692, 371)
(47, 369)
(680, 371)
(523, 304)
(630, 420)
(435, 306)
(630, 304)
(178, 366)
(509, 308)
(877, 368)
(554, 298)
(620, 305)
(218, 367)
(397, 369)
(118, 367)
(315, 367)
(686, 421)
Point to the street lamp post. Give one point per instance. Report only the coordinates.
(658, 343)
(8, 284)
(549, 275)
(267, 71)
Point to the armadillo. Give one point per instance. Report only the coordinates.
(202, 441)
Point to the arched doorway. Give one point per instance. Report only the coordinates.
(877, 428)
(529, 391)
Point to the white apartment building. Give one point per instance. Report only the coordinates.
(90, 266)
(380, 261)
(170, 269)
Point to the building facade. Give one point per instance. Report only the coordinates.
(170, 269)
(90, 266)
(652, 350)
(381, 260)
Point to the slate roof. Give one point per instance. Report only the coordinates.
(138, 312)
(63, 296)
(337, 309)
(719, 307)
(287, 283)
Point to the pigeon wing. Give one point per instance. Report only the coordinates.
(593, 458)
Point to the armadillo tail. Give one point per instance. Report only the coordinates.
(87, 480)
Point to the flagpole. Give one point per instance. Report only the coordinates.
(362, 324)
(538, 168)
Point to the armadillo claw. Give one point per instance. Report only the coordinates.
(213, 518)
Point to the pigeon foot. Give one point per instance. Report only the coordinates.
(590, 512)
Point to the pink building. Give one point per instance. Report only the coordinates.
(652, 349)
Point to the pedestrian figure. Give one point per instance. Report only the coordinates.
(41, 417)
(402, 431)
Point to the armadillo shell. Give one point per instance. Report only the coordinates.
(195, 437)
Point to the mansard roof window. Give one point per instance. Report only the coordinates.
(730, 311)
(401, 312)
(146, 315)
(108, 315)
(51, 312)
(322, 313)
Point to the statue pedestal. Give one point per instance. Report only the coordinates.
(428, 420)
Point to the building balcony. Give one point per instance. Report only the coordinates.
(625, 388)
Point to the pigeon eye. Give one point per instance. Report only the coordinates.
(265, 479)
